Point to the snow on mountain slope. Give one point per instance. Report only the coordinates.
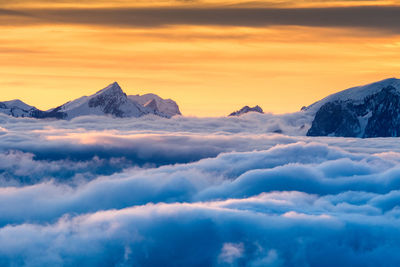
(356, 94)
(16, 108)
(108, 101)
(164, 106)
(16, 103)
(372, 110)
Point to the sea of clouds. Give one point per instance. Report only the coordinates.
(246, 191)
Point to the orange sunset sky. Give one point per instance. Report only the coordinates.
(212, 57)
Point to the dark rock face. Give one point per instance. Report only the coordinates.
(378, 115)
(55, 114)
(152, 104)
(110, 101)
(110, 105)
(337, 119)
(247, 109)
(385, 119)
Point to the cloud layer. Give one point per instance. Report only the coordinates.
(200, 192)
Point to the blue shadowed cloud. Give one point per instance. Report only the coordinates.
(185, 192)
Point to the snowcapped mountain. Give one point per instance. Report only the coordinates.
(356, 94)
(19, 109)
(108, 101)
(111, 101)
(16, 108)
(372, 110)
(167, 107)
(247, 109)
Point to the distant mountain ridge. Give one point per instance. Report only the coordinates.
(246, 109)
(16, 108)
(110, 101)
(372, 110)
(165, 106)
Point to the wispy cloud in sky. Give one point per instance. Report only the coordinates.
(384, 18)
(259, 3)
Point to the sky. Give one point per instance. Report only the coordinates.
(211, 57)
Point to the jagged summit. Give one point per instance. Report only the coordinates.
(113, 88)
(247, 109)
(109, 101)
(167, 107)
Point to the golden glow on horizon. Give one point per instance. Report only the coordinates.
(208, 70)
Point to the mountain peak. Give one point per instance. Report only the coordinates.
(358, 93)
(247, 109)
(16, 103)
(167, 107)
(110, 101)
(113, 88)
(17, 108)
(372, 110)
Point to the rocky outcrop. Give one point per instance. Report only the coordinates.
(377, 115)
(247, 109)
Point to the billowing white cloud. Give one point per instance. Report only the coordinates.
(194, 192)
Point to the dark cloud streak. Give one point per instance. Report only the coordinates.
(378, 17)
